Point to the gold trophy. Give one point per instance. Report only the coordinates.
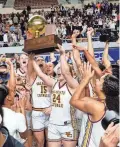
(41, 41)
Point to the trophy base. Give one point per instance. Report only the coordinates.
(42, 45)
(42, 51)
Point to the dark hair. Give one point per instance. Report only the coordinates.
(1, 113)
(111, 91)
(101, 66)
(85, 59)
(115, 71)
(3, 94)
(112, 103)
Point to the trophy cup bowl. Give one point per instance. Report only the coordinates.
(39, 42)
(36, 25)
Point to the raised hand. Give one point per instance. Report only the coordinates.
(87, 71)
(22, 102)
(90, 31)
(2, 58)
(48, 111)
(111, 136)
(8, 61)
(61, 50)
(75, 33)
(31, 56)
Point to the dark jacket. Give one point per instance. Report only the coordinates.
(10, 141)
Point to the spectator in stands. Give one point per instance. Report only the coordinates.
(71, 18)
(112, 24)
(58, 30)
(100, 23)
(63, 31)
(15, 20)
(5, 39)
(1, 36)
(12, 28)
(84, 30)
(14, 37)
(98, 6)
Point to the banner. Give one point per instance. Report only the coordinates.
(97, 45)
(113, 55)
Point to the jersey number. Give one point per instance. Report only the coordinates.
(43, 89)
(56, 98)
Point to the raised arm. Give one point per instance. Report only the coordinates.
(72, 83)
(11, 83)
(30, 66)
(91, 60)
(76, 53)
(106, 61)
(90, 45)
(85, 104)
(90, 32)
(46, 79)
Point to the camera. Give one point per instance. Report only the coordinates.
(111, 116)
(108, 35)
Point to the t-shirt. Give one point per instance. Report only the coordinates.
(14, 122)
(5, 38)
(100, 22)
(98, 6)
(112, 25)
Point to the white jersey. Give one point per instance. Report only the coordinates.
(62, 112)
(90, 133)
(40, 94)
(14, 122)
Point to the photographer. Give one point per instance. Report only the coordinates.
(15, 122)
(5, 139)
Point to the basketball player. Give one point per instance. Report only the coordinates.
(21, 78)
(41, 103)
(50, 69)
(94, 109)
(22, 71)
(62, 128)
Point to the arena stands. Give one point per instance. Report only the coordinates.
(66, 20)
(36, 4)
(3, 2)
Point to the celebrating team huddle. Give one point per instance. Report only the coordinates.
(64, 103)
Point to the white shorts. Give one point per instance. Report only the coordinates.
(40, 121)
(28, 117)
(58, 133)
